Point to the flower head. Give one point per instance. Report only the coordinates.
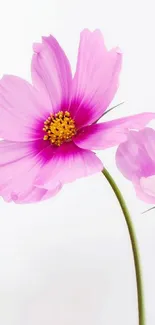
(135, 158)
(49, 128)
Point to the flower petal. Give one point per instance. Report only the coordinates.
(108, 134)
(136, 160)
(96, 79)
(148, 185)
(20, 163)
(35, 194)
(51, 72)
(144, 189)
(67, 164)
(132, 158)
(148, 141)
(21, 108)
(16, 160)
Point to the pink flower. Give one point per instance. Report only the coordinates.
(135, 158)
(49, 128)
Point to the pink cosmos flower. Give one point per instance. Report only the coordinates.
(135, 158)
(49, 128)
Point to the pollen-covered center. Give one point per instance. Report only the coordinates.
(59, 128)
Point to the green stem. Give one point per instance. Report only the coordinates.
(141, 309)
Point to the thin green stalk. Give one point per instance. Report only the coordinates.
(141, 309)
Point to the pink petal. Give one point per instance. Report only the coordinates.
(108, 134)
(144, 188)
(35, 194)
(21, 109)
(67, 164)
(131, 157)
(148, 185)
(51, 72)
(135, 158)
(16, 167)
(20, 163)
(148, 141)
(96, 79)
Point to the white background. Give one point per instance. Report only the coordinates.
(68, 260)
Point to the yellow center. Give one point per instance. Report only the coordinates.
(59, 128)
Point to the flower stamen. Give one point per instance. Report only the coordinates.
(59, 128)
